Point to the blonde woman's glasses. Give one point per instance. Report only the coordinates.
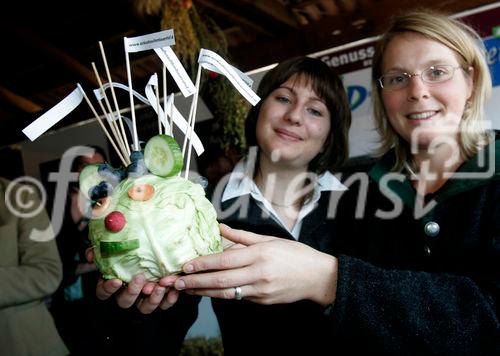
(432, 75)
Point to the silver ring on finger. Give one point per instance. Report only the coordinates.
(237, 293)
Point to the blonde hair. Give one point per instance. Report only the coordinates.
(459, 37)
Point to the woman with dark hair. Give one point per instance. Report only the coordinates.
(298, 135)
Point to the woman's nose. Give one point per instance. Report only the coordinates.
(417, 89)
(294, 115)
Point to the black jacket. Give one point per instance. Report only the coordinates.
(425, 285)
(300, 328)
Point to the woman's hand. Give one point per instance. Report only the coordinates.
(146, 295)
(268, 270)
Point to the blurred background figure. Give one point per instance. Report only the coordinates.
(73, 304)
(30, 271)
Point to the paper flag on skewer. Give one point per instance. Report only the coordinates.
(177, 117)
(150, 94)
(150, 41)
(175, 68)
(54, 115)
(142, 43)
(212, 61)
(160, 42)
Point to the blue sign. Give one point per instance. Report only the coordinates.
(356, 95)
(492, 45)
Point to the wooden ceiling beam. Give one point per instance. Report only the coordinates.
(19, 102)
(33, 40)
(333, 31)
(329, 7)
(233, 16)
(275, 9)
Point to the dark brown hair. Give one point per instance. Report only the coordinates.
(328, 86)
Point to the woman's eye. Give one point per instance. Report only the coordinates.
(314, 112)
(283, 99)
(437, 72)
(397, 79)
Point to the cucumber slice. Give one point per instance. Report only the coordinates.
(114, 247)
(163, 156)
(89, 178)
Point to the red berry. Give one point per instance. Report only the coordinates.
(114, 221)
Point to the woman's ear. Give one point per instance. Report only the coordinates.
(469, 79)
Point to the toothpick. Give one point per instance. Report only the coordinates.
(110, 81)
(109, 114)
(132, 108)
(192, 121)
(102, 125)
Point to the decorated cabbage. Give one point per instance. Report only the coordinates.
(146, 223)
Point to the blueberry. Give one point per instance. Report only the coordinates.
(136, 156)
(137, 169)
(94, 193)
(104, 169)
(121, 173)
(105, 189)
(111, 175)
(101, 190)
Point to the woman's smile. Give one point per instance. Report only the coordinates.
(287, 135)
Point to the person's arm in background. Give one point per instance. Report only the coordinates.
(35, 272)
(69, 241)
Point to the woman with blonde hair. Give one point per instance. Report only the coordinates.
(419, 273)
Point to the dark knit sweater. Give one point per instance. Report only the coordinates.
(411, 292)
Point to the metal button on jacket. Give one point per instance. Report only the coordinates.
(427, 250)
(431, 228)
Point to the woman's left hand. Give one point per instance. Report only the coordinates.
(268, 270)
(147, 296)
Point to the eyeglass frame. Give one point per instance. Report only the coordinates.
(411, 75)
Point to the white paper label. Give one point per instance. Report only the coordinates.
(212, 61)
(54, 115)
(149, 41)
(177, 118)
(151, 95)
(175, 68)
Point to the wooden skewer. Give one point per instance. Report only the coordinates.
(109, 114)
(192, 121)
(110, 81)
(112, 127)
(195, 98)
(190, 145)
(102, 125)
